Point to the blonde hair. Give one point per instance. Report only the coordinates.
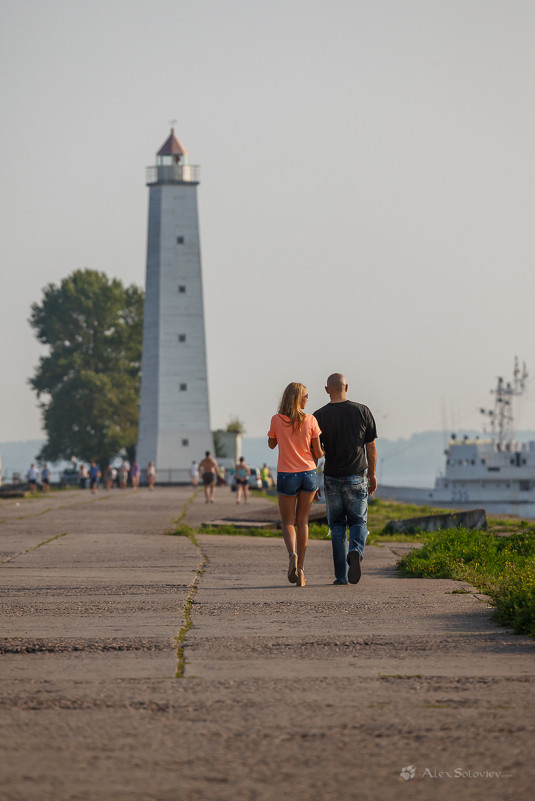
(290, 404)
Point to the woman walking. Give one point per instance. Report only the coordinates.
(134, 475)
(150, 472)
(242, 480)
(297, 436)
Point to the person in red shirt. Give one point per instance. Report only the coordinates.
(297, 436)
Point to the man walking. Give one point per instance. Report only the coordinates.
(94, 475)
(348, 436)
(209, 471)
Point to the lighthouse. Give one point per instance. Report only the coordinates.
(174, 420)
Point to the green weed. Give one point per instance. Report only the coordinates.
(503, 567)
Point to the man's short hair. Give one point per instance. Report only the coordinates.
(207, 453)
(336, 381)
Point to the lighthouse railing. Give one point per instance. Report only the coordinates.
(173, 174)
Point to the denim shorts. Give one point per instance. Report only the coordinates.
(294, 483)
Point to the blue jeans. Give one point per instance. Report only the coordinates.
(347, 507)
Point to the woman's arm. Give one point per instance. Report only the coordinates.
(317, 450)
(272, 442)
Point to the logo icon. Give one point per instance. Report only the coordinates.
(408, 773)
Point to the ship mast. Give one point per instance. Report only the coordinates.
(501, 417)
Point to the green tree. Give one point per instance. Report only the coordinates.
(88, 384)
(236, 425)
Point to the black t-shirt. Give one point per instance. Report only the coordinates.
(345, 429)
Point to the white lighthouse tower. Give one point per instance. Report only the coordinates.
(174, 421)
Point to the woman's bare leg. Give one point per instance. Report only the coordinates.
(304, 503)
(287, 505)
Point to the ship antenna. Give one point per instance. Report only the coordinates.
(501, 416)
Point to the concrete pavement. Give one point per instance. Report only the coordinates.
(322, 692)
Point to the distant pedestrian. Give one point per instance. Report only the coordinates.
(32, 479)
(209, 471)
(108, 477)
(94, 475)
(264, 475)
(348, 435)
(123, 475)
(151, 475)
(242, 480)
(134, 475)
(45, 478)
(297, 436)
(83, 475)
(194, 473)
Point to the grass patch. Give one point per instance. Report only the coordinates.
(379, 514)
(382, 512)
(502, 567)
(315, 531)
(380, 538)
(268, 495)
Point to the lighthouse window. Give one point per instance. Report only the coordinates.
(180, 240)
(183, 387)
(181, 337)
(182, 289)
(185, 443)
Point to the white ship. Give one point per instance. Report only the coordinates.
(494, 471)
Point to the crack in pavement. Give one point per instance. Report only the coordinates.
(29, 550)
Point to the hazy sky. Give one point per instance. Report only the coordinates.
(366, 198)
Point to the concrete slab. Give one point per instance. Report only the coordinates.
(249, 621)
(110, 584)
(323, 692)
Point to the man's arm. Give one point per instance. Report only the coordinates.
(371, 456)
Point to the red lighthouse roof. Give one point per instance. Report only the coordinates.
(172, 146)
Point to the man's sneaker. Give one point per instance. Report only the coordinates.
(292, 569)
(340, 583)
(354, 572)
